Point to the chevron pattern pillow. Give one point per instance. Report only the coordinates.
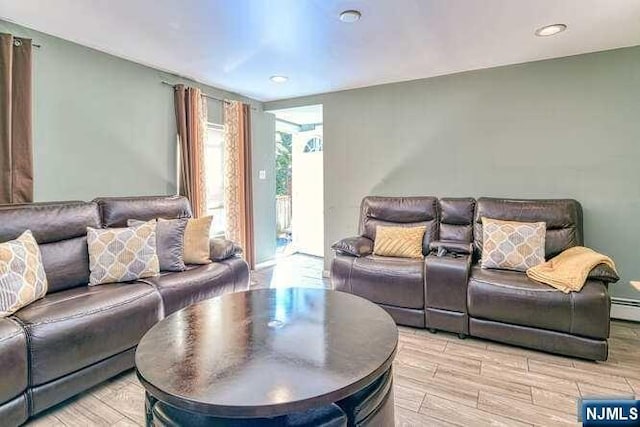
(22, 276)
(512, 245)
(402, 242)
(122, 254)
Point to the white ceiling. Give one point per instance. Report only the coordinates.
(237, 45)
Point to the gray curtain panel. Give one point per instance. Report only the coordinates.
(16, 156)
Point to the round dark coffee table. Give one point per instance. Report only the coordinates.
(267, 353)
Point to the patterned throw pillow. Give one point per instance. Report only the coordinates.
(403, 242)
(512, 245)
(22, 276)
(122, 254)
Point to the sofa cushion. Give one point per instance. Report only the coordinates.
(61, 231)
(13, 360)
(396, 282)
(75, 328)
(456, 219)
(400, 212)
(201, 282)
(511, 297)
(66, 263)
(115, 211)
(563, 218)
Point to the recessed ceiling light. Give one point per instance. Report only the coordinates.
(350, 16)
(550, 30)
(279, 79)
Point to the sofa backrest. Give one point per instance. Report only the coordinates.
(402, 212)
(456, 219)
(563, 218)
(61, 231)
(115, 211)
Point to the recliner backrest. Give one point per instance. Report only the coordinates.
(115, 211)
(401, 212)
(562, 216)
(60, 228)
(456, 219)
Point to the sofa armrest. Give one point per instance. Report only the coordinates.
(443, 247)
(603, 273)
(221, 249)
(357, 246)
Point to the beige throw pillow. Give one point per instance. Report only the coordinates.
(403, 242)
(22, 276)
(196, 241)
(512, 245)
(122, 254)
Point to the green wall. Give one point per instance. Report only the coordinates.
(566, 127)
(264, 190)
(103, 126)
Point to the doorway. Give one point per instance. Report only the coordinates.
(299, 181)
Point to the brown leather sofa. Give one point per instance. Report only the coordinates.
(449, 291)
(78, 336)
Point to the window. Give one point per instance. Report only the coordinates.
(313, 145)
(214, 174)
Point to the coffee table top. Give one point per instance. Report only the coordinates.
(266, 352)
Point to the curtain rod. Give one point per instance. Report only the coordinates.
(206, 95)
(203, 94)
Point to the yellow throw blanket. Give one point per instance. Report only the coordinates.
(569, 270)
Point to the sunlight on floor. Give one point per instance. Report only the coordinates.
(294, 270)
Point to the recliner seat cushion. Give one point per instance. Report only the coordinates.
(511, 297)
(13, 360)
(72, 329)
(201, 282)
(396, 282)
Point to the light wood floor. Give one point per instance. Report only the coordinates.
(440, 380)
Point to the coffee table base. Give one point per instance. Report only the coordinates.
(372, 406)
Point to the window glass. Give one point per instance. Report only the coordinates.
(214, 174)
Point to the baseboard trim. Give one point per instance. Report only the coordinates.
(625, 309)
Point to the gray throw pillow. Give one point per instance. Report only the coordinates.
(169, 242)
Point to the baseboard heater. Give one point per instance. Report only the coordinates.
(625, 309)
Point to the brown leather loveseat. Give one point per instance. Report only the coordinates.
(78, 336)
(449, 291)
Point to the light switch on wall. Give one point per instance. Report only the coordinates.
(262, 174)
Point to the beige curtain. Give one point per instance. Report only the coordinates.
(238, 201)
(16, 156)
(191, 113)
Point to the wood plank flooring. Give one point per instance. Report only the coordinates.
(440, 380)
